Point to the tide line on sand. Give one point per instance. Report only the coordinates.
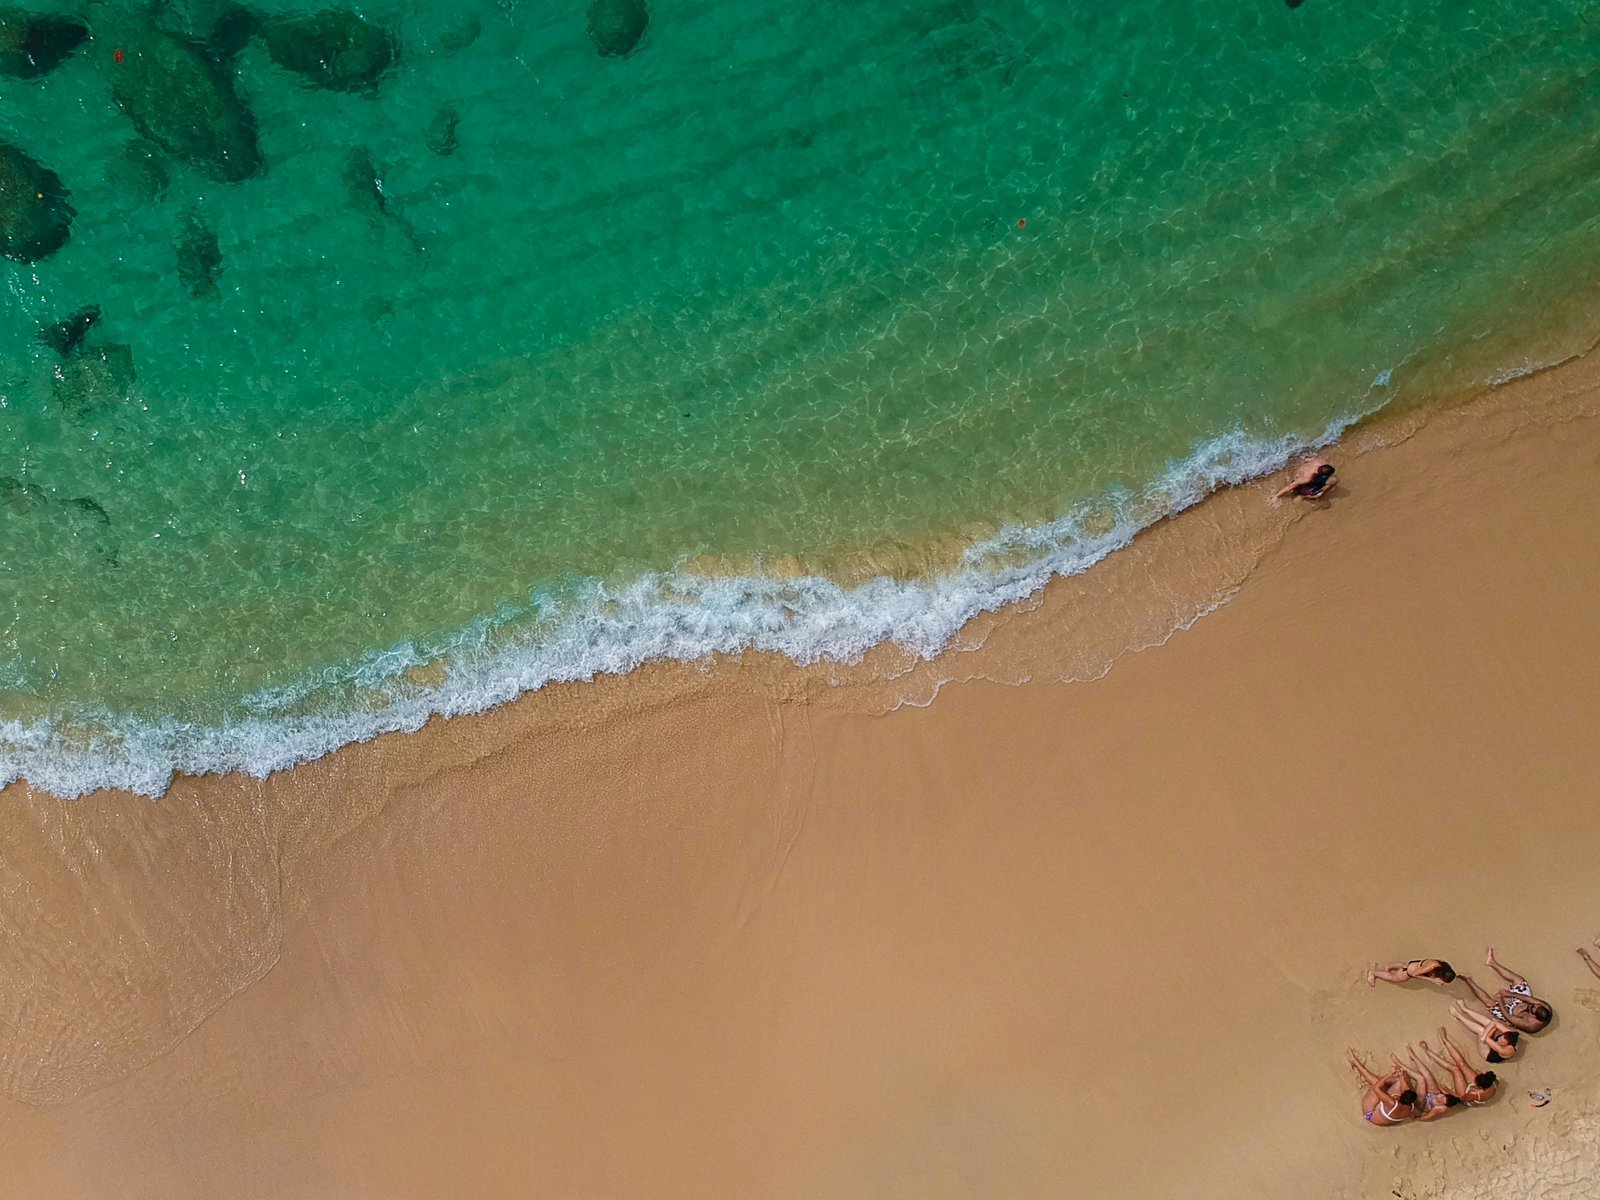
(603, 629)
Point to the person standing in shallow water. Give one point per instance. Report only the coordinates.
(1313, 480)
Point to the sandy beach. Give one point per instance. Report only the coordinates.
(734, 933)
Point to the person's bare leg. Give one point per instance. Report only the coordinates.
(1458, 1070)
(1588, 960)
(1429, 1083)
(1393, 973)
(1478, 993)
(1361, 1069)
(1476, 1024)
(1434, 1056)
(1509, 976)
(1456, 1057)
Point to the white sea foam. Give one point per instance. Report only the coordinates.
(610, 630)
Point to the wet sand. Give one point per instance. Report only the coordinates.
(698, 938)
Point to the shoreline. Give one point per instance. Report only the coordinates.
(692, 615)
(866, 620)
(746, 931)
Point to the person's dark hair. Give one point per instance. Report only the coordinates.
(1324, 470)
(1485, 1079)
(1451, 1101)
(1446, 972)
(1493, 1057)
(1408, 1096)
(1512, 1037)
(1542, 1013)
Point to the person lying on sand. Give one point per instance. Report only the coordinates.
(1589, 959)
(1313, 479)
(1516, 1005)
(1435, 970)
(1472, 1088)
(1498, 1039)
(1389, 1100)
(1435, 1100)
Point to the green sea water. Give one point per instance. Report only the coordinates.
(522, 361)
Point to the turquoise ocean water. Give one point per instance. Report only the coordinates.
(473, 357)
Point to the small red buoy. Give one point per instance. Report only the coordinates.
(1023, 223)
(116, 55)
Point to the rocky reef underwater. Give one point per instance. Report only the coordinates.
(175, 72)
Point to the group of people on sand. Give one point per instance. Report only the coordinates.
(1410, 1091)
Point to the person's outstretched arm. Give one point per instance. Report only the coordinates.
(1482, 996)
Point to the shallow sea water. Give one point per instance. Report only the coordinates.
(728, 341)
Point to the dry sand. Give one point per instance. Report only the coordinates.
(687, 938)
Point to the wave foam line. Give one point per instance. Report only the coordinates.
(608, 630)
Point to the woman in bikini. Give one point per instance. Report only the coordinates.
(1588, 959)
(1435, 970)
(1390, 1099)
(1515, 1005)
(1312, 480)
(1473, 1088)
(1435, 1100)
(1498, 1039)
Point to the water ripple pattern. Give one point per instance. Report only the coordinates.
(398, 361)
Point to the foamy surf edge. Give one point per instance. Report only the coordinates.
(606, 630)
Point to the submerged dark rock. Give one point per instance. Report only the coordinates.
(24, 499)
(89, 509)
(364, 184)
(184, 101)
(142, 170)
(458, 36)
(231, 32)
(87, 518)
(199, 256)
(32, 46)
(93, 379)
(336, 50)
(35, 207)
(617, 26)
(64, 337)
(441, 134)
